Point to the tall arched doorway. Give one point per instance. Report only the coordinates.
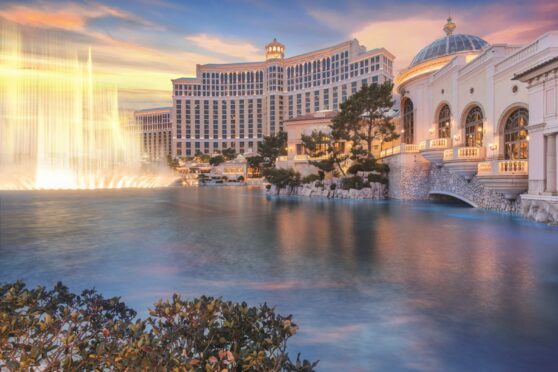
(444, 120)
(474, 127)
(408, 122)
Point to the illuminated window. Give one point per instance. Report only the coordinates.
(515, 135)
(444, 129)
(408, 122)
(474, 127)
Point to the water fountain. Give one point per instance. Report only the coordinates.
(59, 127)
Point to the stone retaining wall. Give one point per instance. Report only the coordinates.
(375, 191)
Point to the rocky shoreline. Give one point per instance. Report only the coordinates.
(376, 191)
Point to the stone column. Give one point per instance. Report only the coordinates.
(551, 166)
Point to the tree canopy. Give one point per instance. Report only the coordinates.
(363, 118)
(272, 147)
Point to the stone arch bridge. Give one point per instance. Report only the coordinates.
(414, 178)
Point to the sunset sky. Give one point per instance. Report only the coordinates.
(140, 45)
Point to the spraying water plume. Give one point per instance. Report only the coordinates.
(59, 128)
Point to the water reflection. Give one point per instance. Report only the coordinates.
(374, 285)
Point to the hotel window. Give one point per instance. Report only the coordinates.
(233, 119)
(290, 107)
(353, 87)
(188, 120)
(259, 118)
(241, 117)
(307, 102)
(474, 127)
(223, 119)
(197, 119)
(408, 122)
(298, 104)
(250, 118)
(215, 119)
(444, 119)
(515, 135)
(326, 99)
(335, 98)
(178, 119)
(206, 119)
(344, 93)
(316, 100)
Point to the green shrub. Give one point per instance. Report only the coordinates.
(282, 178)
(268, 187)
(354, 182)
(377, 178)
(240, 179)
(355, 168)
(333, 186)
(58, 330)
(318, 184)
(310, 178)
(216, 160)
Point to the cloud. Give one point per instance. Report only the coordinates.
(230, 48)
(400, 37)
(511, 23)
(66, 16)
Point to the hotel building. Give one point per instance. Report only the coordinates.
(235, 105)
(479, 123)
(155, 128)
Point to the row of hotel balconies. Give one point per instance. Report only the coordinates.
(508, 177)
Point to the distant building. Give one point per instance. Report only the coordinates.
(297, 157)
(235, 105)
(155, 127)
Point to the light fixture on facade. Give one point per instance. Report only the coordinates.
(493, 147)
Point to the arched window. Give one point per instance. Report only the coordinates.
(515, 135)
(444, 117)
(408, 122)
(473, 127)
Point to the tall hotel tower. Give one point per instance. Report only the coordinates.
(235, 105)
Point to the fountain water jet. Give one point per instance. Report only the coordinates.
(59, 128)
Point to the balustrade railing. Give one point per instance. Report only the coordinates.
(402, 148)
(503, 167)
(464, 153)
(301, 157)
(283, 158)
(435, 144)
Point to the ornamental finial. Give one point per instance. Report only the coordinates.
(449, 27)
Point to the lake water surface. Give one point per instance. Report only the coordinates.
(372, 285)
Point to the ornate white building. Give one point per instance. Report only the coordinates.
(484, 120)
(235, 105)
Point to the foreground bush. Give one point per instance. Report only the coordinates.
(56, 329)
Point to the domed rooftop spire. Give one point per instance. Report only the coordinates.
(449, 27)
(449, 45)
(274, 50)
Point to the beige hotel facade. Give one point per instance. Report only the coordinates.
(235, 105)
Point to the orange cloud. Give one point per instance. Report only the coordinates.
(403, 38)
(37, 18)
(67, 16)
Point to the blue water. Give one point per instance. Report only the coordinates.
(372, 285)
